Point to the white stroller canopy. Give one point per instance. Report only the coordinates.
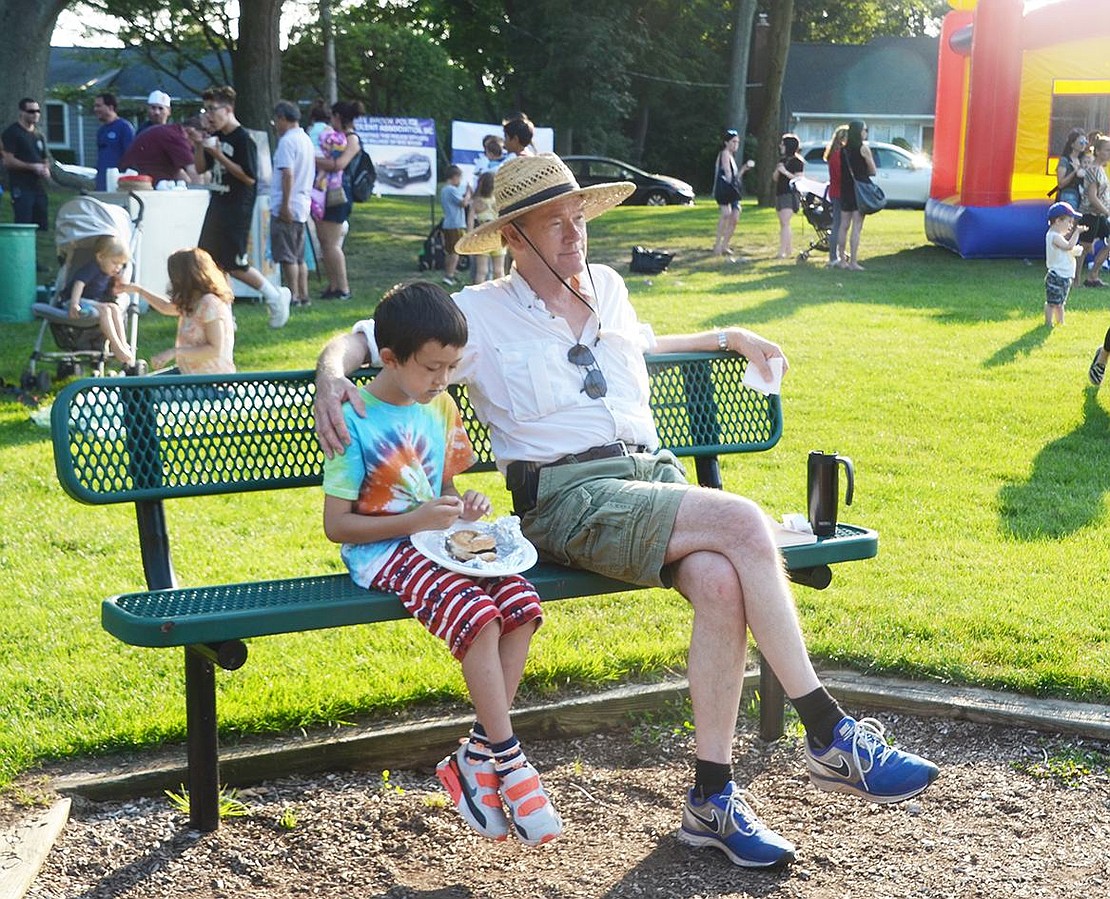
(83, 218)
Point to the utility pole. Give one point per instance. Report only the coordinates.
(331, 81)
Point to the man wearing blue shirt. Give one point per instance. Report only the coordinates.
(113, 137)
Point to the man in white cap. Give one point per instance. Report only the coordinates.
(554, 364)
(157, 109)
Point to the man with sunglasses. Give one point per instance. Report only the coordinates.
(554, 364)
(27, 161)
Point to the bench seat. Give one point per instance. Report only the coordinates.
(185, 616)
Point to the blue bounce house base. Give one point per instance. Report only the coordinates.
(1016, 230)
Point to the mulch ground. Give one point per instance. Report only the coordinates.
(1014, 814)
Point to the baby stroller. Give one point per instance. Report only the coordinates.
(432, 253)
(81, 347)
(818, 212)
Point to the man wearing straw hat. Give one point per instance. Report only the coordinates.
(554, 364)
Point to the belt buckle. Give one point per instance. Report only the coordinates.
(616, 448)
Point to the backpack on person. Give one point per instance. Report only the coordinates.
(363, 176)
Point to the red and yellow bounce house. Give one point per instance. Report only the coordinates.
(1013, 78)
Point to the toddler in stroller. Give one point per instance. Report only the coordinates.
(92, 291)
(96, 244)
(818, 212)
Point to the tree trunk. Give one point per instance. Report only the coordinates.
(736, 105)
(25, 52)
(769, 129)
(256, 66)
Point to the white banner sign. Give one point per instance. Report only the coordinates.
(404, 153)
(466, 144)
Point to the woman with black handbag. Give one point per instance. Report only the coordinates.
(857, 164)
(726, 190)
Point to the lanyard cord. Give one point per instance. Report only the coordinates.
(562, 281)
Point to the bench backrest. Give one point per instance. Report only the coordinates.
(156, 437)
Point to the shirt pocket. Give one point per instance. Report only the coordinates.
(538, 379)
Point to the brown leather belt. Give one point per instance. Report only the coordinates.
(523, 478)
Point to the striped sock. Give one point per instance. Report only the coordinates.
(477, 746)
(507, 756)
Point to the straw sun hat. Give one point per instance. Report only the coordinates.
(531, 182)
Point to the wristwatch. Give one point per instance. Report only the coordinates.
(722, 341)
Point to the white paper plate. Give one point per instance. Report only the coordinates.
(514, 553)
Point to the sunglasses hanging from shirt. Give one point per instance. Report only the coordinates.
(594, 386)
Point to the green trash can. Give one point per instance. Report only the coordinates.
(17, 272)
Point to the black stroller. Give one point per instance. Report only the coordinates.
(81, 347)
(818, 212)
(432, 253)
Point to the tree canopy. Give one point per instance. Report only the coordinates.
(647, 80)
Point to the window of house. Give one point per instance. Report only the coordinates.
(54, 124)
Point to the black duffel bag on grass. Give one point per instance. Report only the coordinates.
(649, 262)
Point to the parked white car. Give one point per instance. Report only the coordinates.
(903, 176)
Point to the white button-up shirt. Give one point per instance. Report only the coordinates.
(523, 386)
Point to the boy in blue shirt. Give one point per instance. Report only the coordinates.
(454, 199)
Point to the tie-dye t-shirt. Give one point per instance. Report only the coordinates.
(398, 458)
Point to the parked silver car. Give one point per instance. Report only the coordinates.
(904, 176)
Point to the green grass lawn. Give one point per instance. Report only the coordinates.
(981, 457)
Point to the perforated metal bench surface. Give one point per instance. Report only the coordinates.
(149, 439)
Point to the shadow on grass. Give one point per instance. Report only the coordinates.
(926, 278)
(1066, 489)
(1023, 346)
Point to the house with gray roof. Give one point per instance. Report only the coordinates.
(77, 74)
(890, 83)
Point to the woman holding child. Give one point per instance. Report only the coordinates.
(338, 146)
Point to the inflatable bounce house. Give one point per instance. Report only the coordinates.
(1013, 79)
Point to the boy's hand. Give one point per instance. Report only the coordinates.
(437, 514)
(475, 505)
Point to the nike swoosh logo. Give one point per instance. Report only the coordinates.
(712, 822)
(841, 767)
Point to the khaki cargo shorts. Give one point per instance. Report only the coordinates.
(610, 516)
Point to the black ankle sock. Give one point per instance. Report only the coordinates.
(710, 778)
(820, 715)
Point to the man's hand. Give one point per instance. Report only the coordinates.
(327, 409)
(475, 505)
(756, 350)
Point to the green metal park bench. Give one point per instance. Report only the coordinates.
(144, 440)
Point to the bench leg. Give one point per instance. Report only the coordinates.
(204, 755)
(772, 701)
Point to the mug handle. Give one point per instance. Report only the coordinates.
(849, 470)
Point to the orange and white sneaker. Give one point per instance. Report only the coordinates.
(473, 788)
(534, 817)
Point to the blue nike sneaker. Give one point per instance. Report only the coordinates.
(725, 821)
(859, 761)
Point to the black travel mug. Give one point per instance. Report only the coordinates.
(823, 488)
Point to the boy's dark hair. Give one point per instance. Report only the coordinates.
(224, 95)
(450, 172)
(108, 100)
(411, 314)
(518, 125)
